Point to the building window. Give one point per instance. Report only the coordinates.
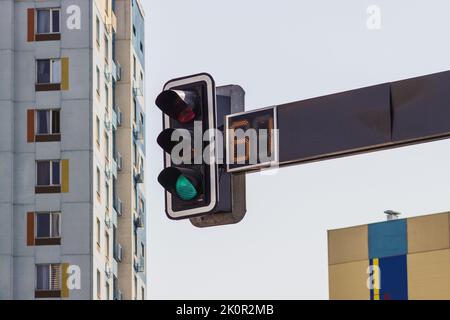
(107, 291)
(106, 49)
(135, 288)
(48, 277)
(47, 21)
(135, 242)
(141, 206)
(48, 225)
(134, 30)
(135, 154)
(97, 28)
(134, 111)
(107, 245)
(98, 233)
(98, 81)
(48, 71)
(48, 173)
(106, 98)
(99, 285)
(141, 46)
(143, 293)
(98, 183)
(97, 130)
(134, 67)
(107, 147)
(142, 250)
(48, 122)
(108, 198)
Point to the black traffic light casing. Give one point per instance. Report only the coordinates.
(231, 208)
(191, 187)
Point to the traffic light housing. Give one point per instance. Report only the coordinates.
(190, 177)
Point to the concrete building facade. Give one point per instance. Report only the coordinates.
(72, 205)
(405, 259)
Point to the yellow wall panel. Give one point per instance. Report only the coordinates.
(429, 275)
(64, 73)
(65, 277)
(348, 281)
(346, 245)
(65, 176)
(428, 233)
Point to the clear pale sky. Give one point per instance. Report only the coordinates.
(281, 51)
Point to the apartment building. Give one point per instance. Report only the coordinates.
(400, 259)
(72, 150)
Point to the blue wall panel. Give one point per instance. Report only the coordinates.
(388, 239)
(394, 278)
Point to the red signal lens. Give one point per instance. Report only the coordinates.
(186, 116)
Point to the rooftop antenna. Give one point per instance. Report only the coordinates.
(392, 215)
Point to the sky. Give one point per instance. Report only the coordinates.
(281, 51)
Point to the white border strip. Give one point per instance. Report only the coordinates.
(212, 117)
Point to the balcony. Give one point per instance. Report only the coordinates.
(114, 168)
(138, 131)
(119, 161)
(108, 223)
(139, 221)
(138, 175)
(118, 295)
(139, 264)
(108, 75)
(108, 270)
(108, 173)
(108, 125)
(118, 207)
(118, 252)
(116, 71)
(111, 22)
(138, 90)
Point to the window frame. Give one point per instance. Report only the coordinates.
(107, 98)
(49, 268)
(51, 173)
(98, 186)
(51, 10)
(51, 71)
(50, 227)
(50, 122)
(134, 67)
(98, 84)
(107, 145)
(99, 231)
(107, 195)
(107, 245)
(98, 130)
(106, 49)
(98, 31)
(99, 285)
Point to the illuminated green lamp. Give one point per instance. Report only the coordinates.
(185, 189)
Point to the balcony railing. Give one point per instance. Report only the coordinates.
(139, 221)
(138, 131)
(118, 295)
(118, 252)
(138, 90)
(138, 175)
(116, 71)
(139, 264)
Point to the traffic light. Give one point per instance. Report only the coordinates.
(190, 177)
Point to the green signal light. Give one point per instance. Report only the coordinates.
(185, 189)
